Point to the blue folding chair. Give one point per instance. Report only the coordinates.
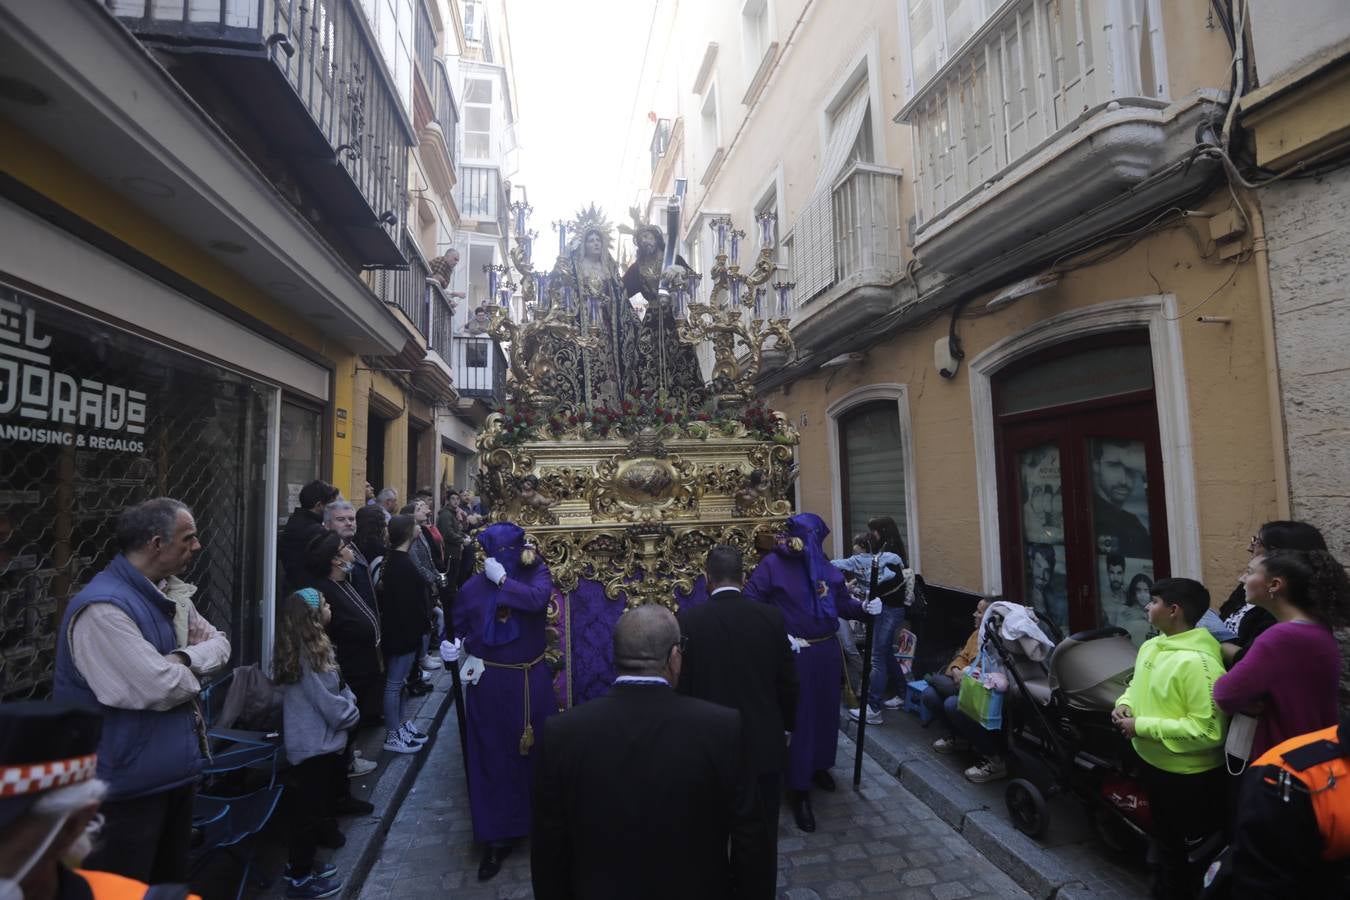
(230, 824)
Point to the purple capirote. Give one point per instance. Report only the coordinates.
(499, 774)
(781, 579)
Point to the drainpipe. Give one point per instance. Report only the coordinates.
(1274, 396)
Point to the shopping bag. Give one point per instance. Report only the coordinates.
(984, 705)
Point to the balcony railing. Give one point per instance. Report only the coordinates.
(442, 315)
(424, 43)
(866, 213)
(1024, 78)
(447, 115)
(407, 288)
(853, 233)
(480, 369)
(324, 52)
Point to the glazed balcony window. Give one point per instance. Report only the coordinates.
(991, 83)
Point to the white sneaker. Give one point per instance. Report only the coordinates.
(894, 702)
(951, 745)
(431, 664)
(991, 768)
(361, 767)
(396, 742)
(873, 715)
(411, 734)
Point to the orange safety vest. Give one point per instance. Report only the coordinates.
(107, 886)
(1318, 763)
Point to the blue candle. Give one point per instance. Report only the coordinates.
(736, 246)
(759, 303)
(719, 227)
(540, 287)
(561, 227)
(735, 292)
(527, 246)
(504, 295)
(520, 219)
(567, 296)
(594, 304)
(492, 280)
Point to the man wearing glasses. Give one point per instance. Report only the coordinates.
(642, 760)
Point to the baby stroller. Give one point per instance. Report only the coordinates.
(1059, 730)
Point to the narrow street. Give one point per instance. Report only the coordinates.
(880, 841)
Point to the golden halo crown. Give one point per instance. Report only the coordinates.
(588, 219)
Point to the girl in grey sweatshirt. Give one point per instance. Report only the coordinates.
(318, 711)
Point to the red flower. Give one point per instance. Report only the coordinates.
(571, 420)
(517, 418)
(668, 417)
(627, 407)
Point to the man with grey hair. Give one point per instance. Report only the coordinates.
(388, 500)
(340, 517)
(117, 652)
(646, 760)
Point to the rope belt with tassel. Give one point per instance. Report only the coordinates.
(526, 735)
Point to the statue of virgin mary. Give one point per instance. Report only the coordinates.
(593, 284)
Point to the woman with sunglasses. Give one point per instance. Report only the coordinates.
(1241, 615)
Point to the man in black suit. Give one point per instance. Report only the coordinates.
(738, 657)
(639, 792)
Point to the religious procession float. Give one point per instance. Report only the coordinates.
(623, 463)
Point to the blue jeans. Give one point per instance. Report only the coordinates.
(885, 670)
(396, 671)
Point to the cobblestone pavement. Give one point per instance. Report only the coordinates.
(880, 841)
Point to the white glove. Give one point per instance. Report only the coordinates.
(495, 571)
(872, 607)
(451, 651)
(797, 644)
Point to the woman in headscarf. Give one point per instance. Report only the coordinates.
(797, 578)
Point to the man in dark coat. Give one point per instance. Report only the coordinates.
(638, 793)
(738, 656)
(305, 523)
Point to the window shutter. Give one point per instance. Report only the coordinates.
(813, 229)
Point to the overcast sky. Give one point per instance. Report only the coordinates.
(577, 67)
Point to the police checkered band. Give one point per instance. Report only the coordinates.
(19, 781)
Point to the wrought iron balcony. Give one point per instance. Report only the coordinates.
(442, 317)
(447, 114)
(305, 79)
(407, 289)
(424, 41)
(480, 369)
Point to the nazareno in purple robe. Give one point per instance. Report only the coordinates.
(783, 578)
(504, 625)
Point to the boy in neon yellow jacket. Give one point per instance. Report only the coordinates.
(1169, 714)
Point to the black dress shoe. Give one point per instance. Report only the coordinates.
(350, 806)
(491, 862)
(801, 810)
(823, 780)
